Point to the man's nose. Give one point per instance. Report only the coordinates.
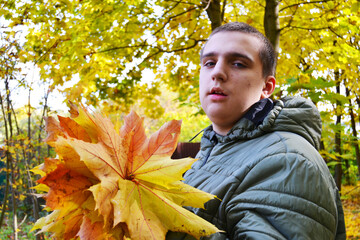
(219, 72)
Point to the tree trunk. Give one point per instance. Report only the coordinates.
(338, 167)
(44, 113)
(353, 126)
(214, 12)
(27, 164)
(27, 176)
(272, 24)
(322, 148)
(11, 144)
(8, 159)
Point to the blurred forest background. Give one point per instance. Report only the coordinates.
(144, 55)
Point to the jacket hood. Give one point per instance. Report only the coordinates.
(290, 114)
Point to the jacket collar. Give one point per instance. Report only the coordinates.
(254, 117)
(259, 110)
(290, 114)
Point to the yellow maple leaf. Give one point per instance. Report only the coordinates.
(136, 189)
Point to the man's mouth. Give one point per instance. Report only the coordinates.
(217, 91)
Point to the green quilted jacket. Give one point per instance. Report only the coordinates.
(272, 182)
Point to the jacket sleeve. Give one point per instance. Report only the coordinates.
(283, 196)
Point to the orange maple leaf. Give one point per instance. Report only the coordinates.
(118, 184)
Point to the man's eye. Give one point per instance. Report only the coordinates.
(239, 65)
(209, 64)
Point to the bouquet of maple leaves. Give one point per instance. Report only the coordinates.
(116, 184)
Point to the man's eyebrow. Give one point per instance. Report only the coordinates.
(229, 54)
(210, 54)
(240, 55)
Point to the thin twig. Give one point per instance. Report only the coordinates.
(207, 5)
(22, 222)
(352, 190)
(303, 3)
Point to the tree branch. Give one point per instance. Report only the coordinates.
(48, 50)
(159, 50)
(341, 37)
(171, 18)
(302, 3)
(207, 5)
(304, 28)
(223, 10)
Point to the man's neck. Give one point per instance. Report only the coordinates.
(221, 131)
(256, 113)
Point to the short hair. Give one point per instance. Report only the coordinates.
(266, 53)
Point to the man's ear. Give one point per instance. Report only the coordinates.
(269, 87)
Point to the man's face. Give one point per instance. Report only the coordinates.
(231, 78)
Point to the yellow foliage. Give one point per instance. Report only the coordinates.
(351, 204)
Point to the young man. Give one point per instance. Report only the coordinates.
(259, 157)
